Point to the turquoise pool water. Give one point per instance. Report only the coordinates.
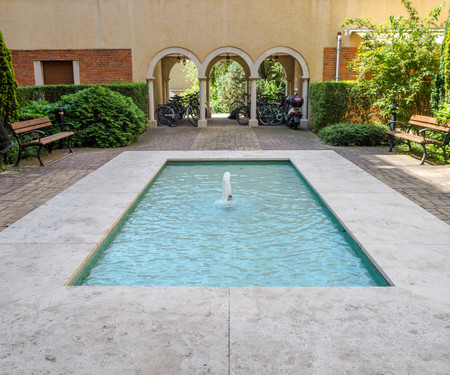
(276, 232)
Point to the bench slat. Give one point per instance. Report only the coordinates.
(414, 138)
(47, 140)
(29, 125)
(424, 119)
(429, 126)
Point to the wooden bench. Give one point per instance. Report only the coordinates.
(418, 130)
(30, 133)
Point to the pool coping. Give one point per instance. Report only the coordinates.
(406, 243)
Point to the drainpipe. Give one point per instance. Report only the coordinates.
(338, 55)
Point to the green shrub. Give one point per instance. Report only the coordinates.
(53, 93)
(8, 96)
(344, 134)
(103, 118)
(334, 102)
(38, 109)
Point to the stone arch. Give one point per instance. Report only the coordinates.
(169, 51)
(163, 87)
(204, 72)
(244, 57)
(303, 78)
(297, 56)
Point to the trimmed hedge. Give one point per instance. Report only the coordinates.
(103, 118)
(344, 134)
(334, 102)
(53, 93)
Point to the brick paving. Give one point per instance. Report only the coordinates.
(21, 192)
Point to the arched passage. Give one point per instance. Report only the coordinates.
(297, 72)
(232, 53)
(158, 75)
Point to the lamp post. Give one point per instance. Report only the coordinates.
(393, 108)
(60, 117)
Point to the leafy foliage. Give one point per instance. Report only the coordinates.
(271, 79)
(104, 118)
(439, 82)
(38, 109)
(401, 57)
(344, 134)
(8, 102)
(334, 102)
(227, 82)
(227, 85)
(8, 85)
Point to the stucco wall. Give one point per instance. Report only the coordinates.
(201, 26)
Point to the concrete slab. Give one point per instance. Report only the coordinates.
(336, 331)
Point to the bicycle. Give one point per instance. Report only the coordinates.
(177, 108)
(243, 114)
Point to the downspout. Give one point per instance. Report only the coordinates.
(338, 55)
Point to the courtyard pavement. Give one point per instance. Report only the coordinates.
(20, 192)
(54, 217)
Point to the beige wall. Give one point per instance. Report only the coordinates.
(200, 26)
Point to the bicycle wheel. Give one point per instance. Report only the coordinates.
(278, 117)
(193, 114)
(235, 105)
(266, 116)
(243, 115)
(165, 116)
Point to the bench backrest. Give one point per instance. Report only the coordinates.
(29, 125)
(428, 122)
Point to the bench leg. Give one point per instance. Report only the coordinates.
(39, 157)
(19, 156)
(391, 144)
(425, 154)
(70, 147)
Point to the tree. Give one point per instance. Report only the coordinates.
(271, 79)
(441, 80)
(9, 107)
(397, 60)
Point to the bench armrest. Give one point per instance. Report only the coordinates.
(424, 130)
(40, 132)
(392, 125)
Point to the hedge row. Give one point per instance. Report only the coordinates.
(337, 102)
(138, 92)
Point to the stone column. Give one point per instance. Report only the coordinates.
(208, 98)
(166, 90)
(151, 104)
(288, 87)
(202, 122)
(247, 89)
(253, 121)
(305, 96)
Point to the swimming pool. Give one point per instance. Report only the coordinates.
(275, 232)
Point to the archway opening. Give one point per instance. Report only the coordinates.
(227, 84)
(271, 83)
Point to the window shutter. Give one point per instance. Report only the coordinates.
(58, 72)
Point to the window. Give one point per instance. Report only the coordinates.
(58, 72)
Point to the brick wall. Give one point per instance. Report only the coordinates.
(96, 65)
(329, 63)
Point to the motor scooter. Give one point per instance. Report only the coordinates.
(293, 112)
